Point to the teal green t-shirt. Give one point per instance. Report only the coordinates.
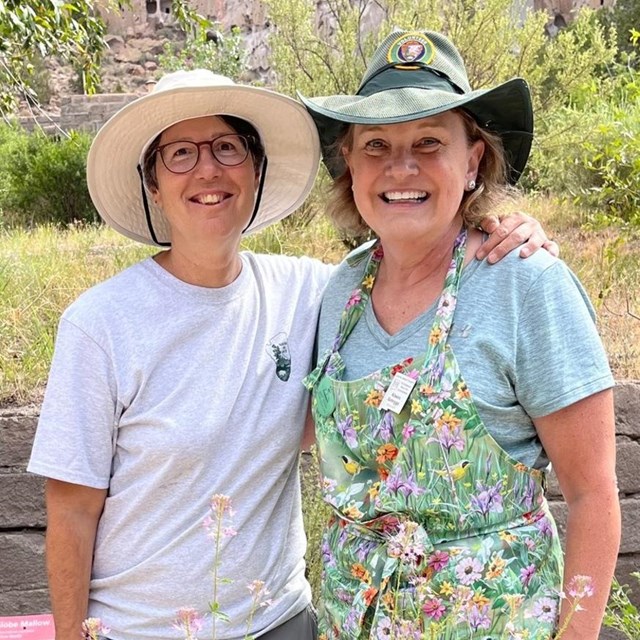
(523, 333)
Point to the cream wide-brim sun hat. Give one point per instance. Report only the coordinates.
(286, 130)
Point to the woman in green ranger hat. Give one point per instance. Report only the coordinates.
(445, 388)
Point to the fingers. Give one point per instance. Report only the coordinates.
(490, 223)
(552, 247)
(505, 235)
(516, 230)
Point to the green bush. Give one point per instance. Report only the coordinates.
(624, 17)
(621, 613)
(595, 159)
(43, 178)
(496, 42)
(222, 53)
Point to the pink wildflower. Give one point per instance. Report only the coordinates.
(434, 608)
(581, 587)
(92, 629)
(214, 523)
(221, 504)
(259, 593)
(188, 621)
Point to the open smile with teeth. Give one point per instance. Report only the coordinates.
(211, 198)
(404, 196)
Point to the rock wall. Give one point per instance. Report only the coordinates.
(79, 113)
(22, 516)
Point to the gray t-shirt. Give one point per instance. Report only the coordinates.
(523, 334)
(165, 394)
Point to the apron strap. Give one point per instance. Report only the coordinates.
(359, 298)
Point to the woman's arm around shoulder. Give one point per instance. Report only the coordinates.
(515, 230)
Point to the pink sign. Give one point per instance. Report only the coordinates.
(39, 627)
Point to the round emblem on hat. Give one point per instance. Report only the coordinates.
(410, 48)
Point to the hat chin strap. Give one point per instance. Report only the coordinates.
(147, 212)
(263, 175)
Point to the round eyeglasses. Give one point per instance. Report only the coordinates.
(182, 156)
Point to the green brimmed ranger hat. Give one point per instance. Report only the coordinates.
(416, 74)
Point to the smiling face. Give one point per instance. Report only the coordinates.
(212, 201)
(409, 178)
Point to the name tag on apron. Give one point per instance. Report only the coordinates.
(398, 392)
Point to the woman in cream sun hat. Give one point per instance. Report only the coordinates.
(291, 151)
(448, 385)
(179, 379)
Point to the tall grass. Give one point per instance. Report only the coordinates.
(607, 262)
(43, 270)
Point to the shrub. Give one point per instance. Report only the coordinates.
(596, 158)
(624, 16)
(222, 53)
(43, 178)
(496, 41)
(621, 613)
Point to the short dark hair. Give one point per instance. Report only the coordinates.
(239, 125)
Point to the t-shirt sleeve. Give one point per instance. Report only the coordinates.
(559, 358)
(75, 434)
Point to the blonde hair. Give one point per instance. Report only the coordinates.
(492, 190)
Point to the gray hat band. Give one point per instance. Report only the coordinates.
(393, 77)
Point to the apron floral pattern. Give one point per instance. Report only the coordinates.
(437, 532)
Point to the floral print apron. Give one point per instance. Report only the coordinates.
(437, 532)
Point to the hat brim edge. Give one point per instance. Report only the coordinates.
(113, 181)
(331, 123)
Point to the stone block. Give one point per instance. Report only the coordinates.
(611, 634)
(559, 511)
(630, 542)
(27, 602)
(115, 99)
(553, 488)
(21, 501)
(17, 428)
(75, 111)
(77, 98)
(627, 465)
(627, 405)
(22, 561)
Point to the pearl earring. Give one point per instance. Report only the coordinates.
(471, 185)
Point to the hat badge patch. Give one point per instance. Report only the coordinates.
(411, 48)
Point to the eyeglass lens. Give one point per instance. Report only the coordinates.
(182, 156)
